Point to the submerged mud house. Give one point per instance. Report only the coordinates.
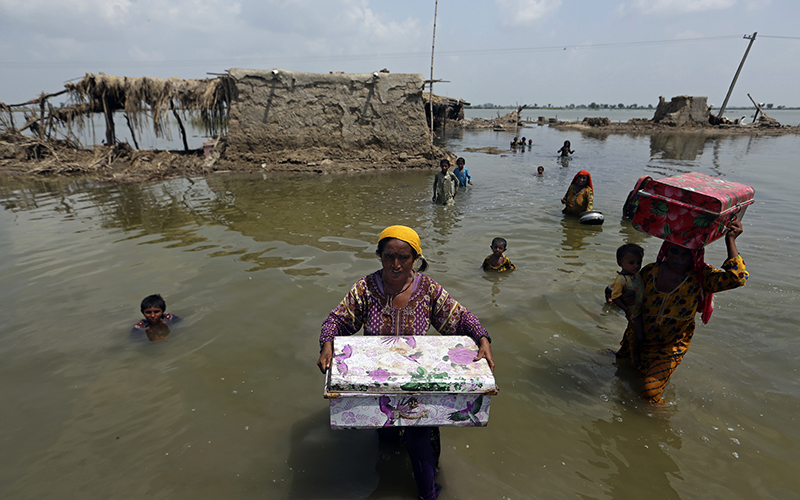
(682, 110)
(280, 116)
(268, 119)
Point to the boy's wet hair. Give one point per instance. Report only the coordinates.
(629, 248)
(154, 300)
(501, 241)
(461, 161)
(444, 161)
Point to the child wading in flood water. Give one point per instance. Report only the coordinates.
(498, 261)
(565, 149)
(156, 320)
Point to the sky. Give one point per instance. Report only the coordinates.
(556, 52)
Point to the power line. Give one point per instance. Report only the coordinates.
(232, 61)
(596, 45)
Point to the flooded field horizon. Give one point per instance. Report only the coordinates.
(94, 131)
(230, 404)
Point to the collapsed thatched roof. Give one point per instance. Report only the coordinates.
(153, 97)
(440, 99)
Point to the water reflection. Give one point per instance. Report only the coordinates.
(677, 146)
(316, 476)
(630, 476)
(444, 220)
(293, 210)
(254, 263)
(596, 135)
(574, 233)
(630, 235)
(496, 279)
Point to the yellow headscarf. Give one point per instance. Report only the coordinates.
(403, 233)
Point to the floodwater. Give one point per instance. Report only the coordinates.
(230, 404)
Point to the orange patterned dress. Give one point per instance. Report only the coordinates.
(669, 320)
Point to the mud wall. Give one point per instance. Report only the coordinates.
(682, 110)
(283, 116)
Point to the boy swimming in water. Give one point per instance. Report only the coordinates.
(498, 261)
(156, 320)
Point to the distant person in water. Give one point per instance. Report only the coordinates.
(540, 171)
(565, 149)
(462, 174)
(498, 260)
(514, 142)
(530, 142)
(445, 185)
(156, 320)
(523, 142)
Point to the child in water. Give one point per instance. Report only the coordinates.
(540, 171)
(462, 174)
(156, 321)
(565, 149)
(498, 261)
(629, 258)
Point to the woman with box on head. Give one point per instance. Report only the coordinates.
(580, 194)
(397, 300)
(677, 286)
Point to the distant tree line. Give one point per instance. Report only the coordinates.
(595, 105)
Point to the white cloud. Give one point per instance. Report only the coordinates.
(524, 12)
(677, 6)
(363, 18)
(109, 11)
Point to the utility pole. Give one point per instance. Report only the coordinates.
(433, 46)
(730, 90)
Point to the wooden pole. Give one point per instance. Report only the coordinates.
(758, 109)
(736, 76)
(110, 135)
(42, 101)
(34, 101)
(133, 135)
(433, 46)
(180, 125)
(50, 127)
(10, 115)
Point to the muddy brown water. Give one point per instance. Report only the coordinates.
(230, 404)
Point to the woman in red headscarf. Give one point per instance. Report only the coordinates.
(580, 194)
(677, 286)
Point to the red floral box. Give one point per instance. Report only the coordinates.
(691, 209)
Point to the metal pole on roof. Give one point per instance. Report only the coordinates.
(433, 46)
(730, 90)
